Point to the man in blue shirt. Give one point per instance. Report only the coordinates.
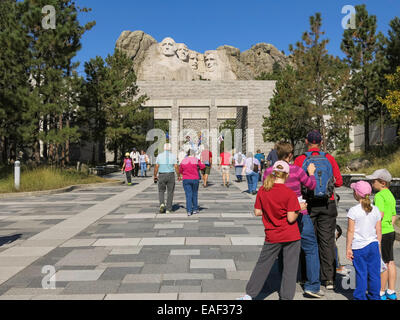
(164, 174)
(272, 157)
(261, 158)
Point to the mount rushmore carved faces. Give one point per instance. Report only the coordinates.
(182, 52)
(168, 47)
(194, 60)
(210, 60)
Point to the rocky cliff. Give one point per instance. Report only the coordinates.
(171, 61)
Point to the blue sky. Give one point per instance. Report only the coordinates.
(207, 24)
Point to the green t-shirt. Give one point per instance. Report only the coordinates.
(386, 203)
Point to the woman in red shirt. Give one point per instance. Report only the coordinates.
(189, 169)
(279, 207)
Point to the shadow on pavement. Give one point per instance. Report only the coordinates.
(9, 239)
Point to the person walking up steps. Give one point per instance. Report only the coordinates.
(279, 208)
(239, 161)
(225, 165)
(127, 168)
(189, 170)
(164, 174)
(364, 235)
(206, 159)
(386, 204)
(251, 169)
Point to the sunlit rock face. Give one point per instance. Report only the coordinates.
(169, 60)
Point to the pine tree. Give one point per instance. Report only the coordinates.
(113, 104)
(366, 58)
(393, 45)
(14, 85)
(289, 116)
(322, 75)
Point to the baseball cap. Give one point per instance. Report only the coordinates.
(314, 137)
(127, 154)
(362, 188)
(281, 166)
(382, 174)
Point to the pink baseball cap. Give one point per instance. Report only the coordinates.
(281, 166)
(362, 188)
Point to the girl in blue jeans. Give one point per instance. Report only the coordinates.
(364, 235)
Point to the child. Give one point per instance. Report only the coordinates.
(386, 204)
(363, 239)
(279, 207)
(127, 168)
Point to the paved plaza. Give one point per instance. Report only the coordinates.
(109, 242)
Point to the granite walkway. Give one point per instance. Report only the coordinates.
(111, 243)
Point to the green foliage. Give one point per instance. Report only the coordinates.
(366, 56)
(111, 103)
(47, 178)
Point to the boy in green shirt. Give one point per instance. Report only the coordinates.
(386, 204)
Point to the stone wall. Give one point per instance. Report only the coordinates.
(253, 96)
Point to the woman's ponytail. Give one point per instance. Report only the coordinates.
(366, 204)
(269, 182)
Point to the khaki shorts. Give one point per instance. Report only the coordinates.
(225, 169)
(207, 170)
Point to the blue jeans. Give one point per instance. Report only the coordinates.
(143, 168)
(238, 172)
(252, 181)
(191, 188)
(367, 262)
(309, 245)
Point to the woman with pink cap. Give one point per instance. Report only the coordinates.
(364, 236)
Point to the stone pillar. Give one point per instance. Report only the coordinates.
(213, 129)
(175, 126)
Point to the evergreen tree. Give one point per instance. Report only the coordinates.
(290, 116)
(14, 77)
(321, 75)
(393, 45)
(365, 55)
(112, 103)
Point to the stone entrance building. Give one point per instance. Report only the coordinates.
(202, 105)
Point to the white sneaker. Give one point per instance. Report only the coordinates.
(245, 297)
(318, 294)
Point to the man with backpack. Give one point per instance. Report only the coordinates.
(322, 203)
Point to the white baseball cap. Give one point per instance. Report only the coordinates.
(382, 174)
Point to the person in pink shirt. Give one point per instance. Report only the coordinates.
(189, 169)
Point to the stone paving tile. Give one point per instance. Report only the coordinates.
(77, 275)
(139, 288)
(84, 257)
(227, 264)
(207, 256)
(92, 287)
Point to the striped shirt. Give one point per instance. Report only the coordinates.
(297, 177)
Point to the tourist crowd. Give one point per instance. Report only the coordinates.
(299, 208)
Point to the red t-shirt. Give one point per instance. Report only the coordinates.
(206, 157)
(275, 204)
(225, 159)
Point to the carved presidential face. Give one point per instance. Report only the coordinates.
(182, 52)
(168, 47)
(210, 60)
(194, 61)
